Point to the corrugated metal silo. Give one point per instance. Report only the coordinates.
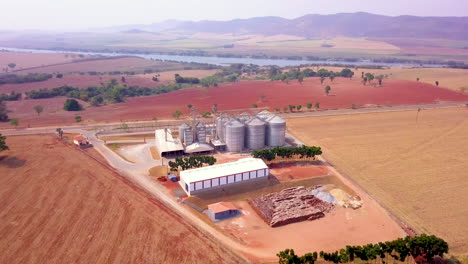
(220, 122)
(255, 133)
(182, 129)
(275, 131)
(201, 133)
(235, 135)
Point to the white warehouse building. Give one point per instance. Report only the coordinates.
(211, 177)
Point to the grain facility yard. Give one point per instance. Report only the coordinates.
(416, 168)
(58, 205)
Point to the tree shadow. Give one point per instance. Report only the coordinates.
(11, 162)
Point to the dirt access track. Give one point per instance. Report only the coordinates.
(413, 164)
(75, 210)
(344, 93)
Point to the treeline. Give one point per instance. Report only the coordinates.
(111, 93)
(13, 96)
(276, 74)
(191, 162)
(27, 78)
(189, 80)
(287, 152)
(422, 249)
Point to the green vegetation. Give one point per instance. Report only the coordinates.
(191, 162)
(38, 109)
(189, 80)
(317, 105)
(110, 93)
(3, 112)
(327, 89)
(77, 118)
(287, 152)
(59, 75)
(30, 77)
(3, 145)
(254, 106)
(11, 65)
(72, 105)
(13, 96)
(14, 122)
(177, 114)
(422, 248)
(309, 106)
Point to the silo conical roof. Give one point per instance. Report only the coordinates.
(275, 120)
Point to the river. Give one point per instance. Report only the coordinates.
(227, 61)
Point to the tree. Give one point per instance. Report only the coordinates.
(299, 107)
(254, 105)
(346, 73)
(317, 105)
(3, 145)
(437, 83)
(3, 112)
(77, 118)
(38, 109)
(300, 79)
(14, 122)
(291, 107)
(72, 105)
(332, 77)
(369, 77)
(96, 100)
(189, 106)
(177, 114)
(59, 75)
(417, 79)
(124, 126)
(380, 79)
(322, 79)
(214, 108)
(11, 65)
(59, 132)
(206, 114)
(327, 89)
(309, 106)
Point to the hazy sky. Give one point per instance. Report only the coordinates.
(75, 14)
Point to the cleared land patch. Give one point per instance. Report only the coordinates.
(416, 169)
(75, 210)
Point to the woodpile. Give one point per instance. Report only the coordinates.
(290, 205)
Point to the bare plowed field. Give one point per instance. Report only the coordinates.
(415, 166)
(28, 60)
(57, 205)
(344, 93)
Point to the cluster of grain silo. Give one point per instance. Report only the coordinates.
(251, 131)
(189, 134)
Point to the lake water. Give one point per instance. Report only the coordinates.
(227, 61)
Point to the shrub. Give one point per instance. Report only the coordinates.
(72, 105)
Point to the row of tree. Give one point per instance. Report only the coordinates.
(189, 80)
(3, 145)
(422, 249)
(287, 152)
(26, 78)
(276, 74)
(191, 162)
(369, 77)
(110, 93)
(12, 96)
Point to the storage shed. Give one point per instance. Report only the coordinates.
(221, 211)
(222, 175)
(166, 144)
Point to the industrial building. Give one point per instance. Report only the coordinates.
(222, 175)
(221, 211)
(166, 144)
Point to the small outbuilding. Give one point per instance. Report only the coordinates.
(221, 211)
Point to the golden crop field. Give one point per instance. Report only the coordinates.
(417, 169)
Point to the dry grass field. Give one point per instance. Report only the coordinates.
(418, 170)
(58, 205)
(453, 79)
(28, 60)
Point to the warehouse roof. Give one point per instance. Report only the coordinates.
(221, 207)
(165, 142)
(216, 171)
(198, 147)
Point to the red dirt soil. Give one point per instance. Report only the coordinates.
(295, 171)
(80, 81)
(344, 93)
(76, 210)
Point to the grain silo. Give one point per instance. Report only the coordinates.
(201, 133)
(182, 131)
(220, 122)
(255, 133)
(234, 135)
(244, 117)
(187, 136)
(275, 131)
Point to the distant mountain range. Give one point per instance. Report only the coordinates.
(321, 26)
